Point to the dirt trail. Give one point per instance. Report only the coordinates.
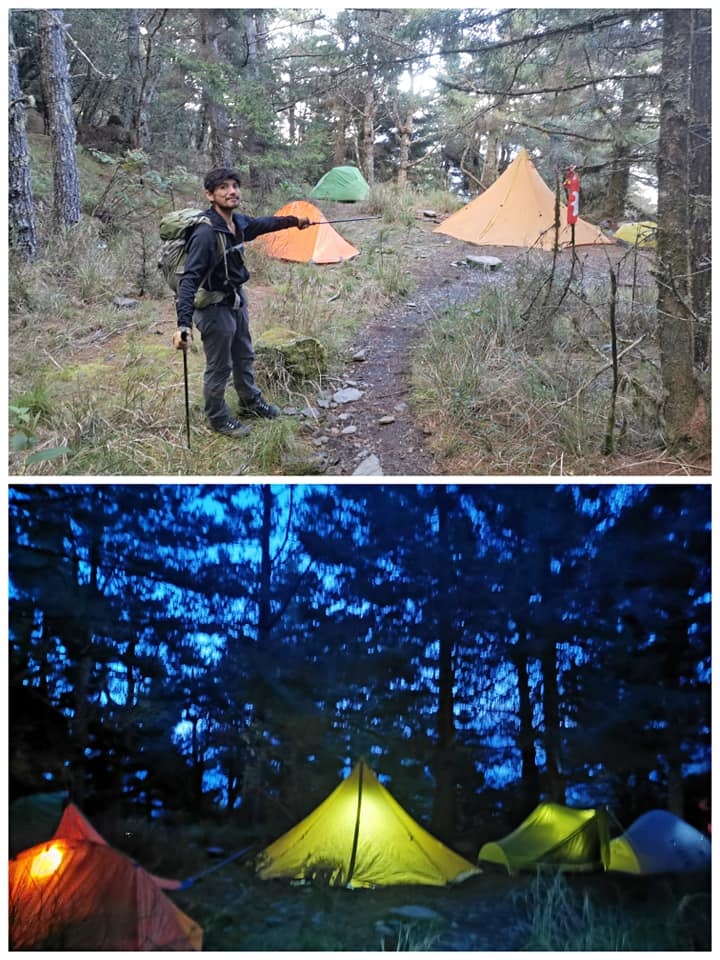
(378, 433)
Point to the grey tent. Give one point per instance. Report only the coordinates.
(660, 842)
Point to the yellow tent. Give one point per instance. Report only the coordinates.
(360, 836)
(640, 234)
(518, 210)
(319, 244)
(555, 836)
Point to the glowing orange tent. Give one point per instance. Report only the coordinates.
(518, 210)
(318, 244)
(75, 892)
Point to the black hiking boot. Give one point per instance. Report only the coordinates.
(260, 408)
(231, 428)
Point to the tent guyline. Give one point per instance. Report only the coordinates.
(245, 853)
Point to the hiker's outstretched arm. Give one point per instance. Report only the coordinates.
(255, 226)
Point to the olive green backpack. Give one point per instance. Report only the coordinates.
(175, 230)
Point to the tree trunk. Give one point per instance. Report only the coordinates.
(554, 780)
(264, 588)
(616, 196)
(490, 166)
(405, 133)
(700, 155)
(526, 737)
(56, 88)
(444, 764)
(23, 234)
(221, 152)
(368, 135)
(675, 325)
(131, 107)
(339, 145)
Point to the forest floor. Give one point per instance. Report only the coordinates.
(99, 391)
(488, 912)
(383, 432)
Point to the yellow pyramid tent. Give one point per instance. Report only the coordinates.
(360, 836)
(318, 244)
(518, 210)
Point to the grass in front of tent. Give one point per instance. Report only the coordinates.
(562, 914)
(491, 911)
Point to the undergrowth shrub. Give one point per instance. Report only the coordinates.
(519, 405)
(392, 204)
(558, 918)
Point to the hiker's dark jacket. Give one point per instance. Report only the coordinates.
(203, 254)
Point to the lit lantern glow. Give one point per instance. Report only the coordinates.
(46, 862)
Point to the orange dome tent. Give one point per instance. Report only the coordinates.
(518, 210)
(318, 244)
(75, 892)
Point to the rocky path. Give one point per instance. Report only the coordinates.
(366, 426)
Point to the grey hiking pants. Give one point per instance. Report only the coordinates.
(225, 334)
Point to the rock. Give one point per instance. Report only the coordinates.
(359, 357)
(299, 462)
(386, 419)
(126, 303)
(485, 263)
(347, 395)
(370, 467)
(304, 358)
(346, 431)
(415, 912)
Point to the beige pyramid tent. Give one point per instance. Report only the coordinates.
(318, 244)
(75, 892)
(518, 210)
(360, 836)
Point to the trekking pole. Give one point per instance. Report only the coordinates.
(187, 396)
(318, 223)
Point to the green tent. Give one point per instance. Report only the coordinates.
(360, 836)
(345, 184)
(33, 819)
(554, 836)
